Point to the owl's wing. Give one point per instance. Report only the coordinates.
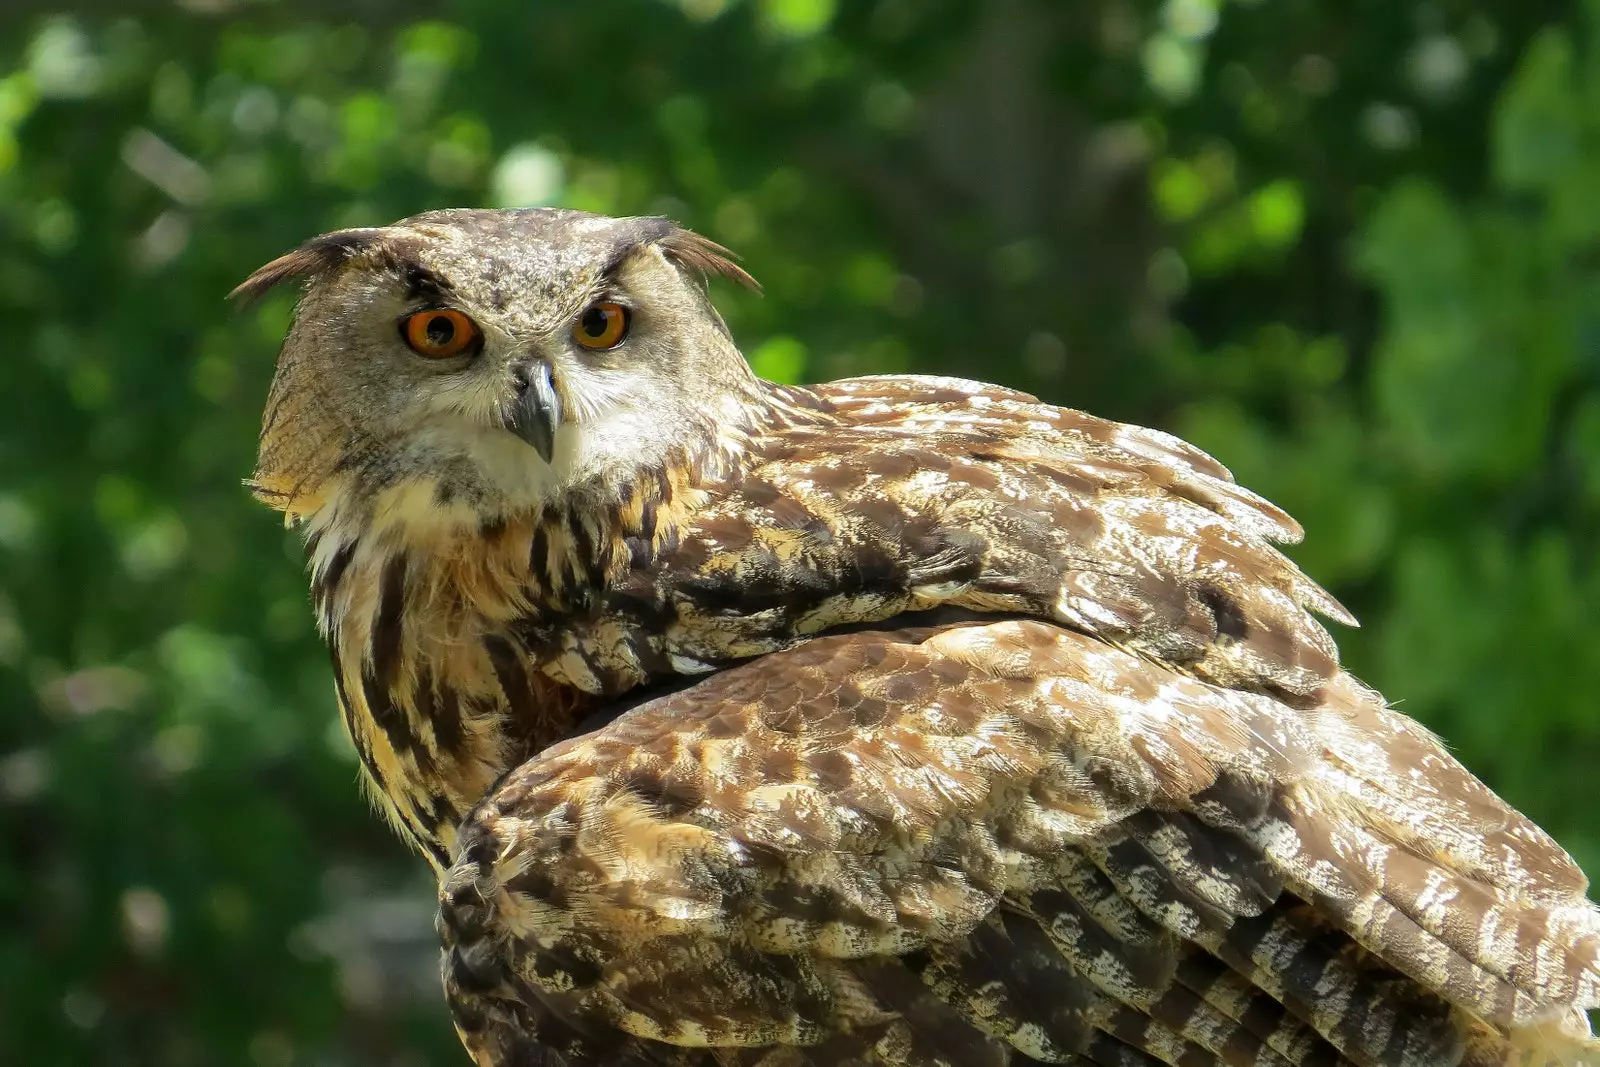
(1000, 841)
(921, 493)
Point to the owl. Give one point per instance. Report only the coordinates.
(897, 721)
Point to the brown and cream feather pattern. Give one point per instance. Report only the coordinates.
(921, 723)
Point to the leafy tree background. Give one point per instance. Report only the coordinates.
(1352, 248)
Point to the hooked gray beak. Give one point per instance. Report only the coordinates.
(534, 412)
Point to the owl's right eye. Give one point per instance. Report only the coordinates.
(440, 333)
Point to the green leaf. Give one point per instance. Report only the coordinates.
(1277, 211)
(1539, 121)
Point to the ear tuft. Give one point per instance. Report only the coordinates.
(312, 258)
(690, 250)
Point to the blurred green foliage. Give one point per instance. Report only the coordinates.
(1352, 248)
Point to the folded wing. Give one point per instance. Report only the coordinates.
(1002, 841)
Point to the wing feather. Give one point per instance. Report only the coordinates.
(1003, 842)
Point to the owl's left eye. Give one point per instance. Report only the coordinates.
(602, 325)
(440, 333)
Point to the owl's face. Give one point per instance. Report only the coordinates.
(483, 362)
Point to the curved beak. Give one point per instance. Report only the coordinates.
(534, 410)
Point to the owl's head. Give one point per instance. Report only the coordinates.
(477, 363)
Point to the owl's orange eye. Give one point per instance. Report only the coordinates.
(440, 333)
(601, 326)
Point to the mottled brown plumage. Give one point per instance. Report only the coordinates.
(896, 721)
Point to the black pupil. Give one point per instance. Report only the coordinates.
(441, 331)
(594, 322)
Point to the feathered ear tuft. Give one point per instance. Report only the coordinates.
(310, 259)
(688, 249)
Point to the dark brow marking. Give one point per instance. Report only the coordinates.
(651, 231)
(422, 284)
